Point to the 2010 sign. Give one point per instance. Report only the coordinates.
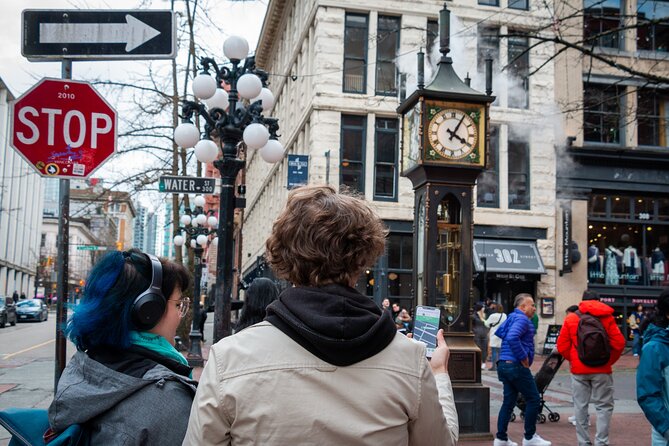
(63, 128)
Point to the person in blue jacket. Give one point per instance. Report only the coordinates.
(513, 370)
(652, 375)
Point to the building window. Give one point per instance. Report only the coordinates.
(400, 266)
(489, 2)
(488, 46)
(519, 68)
(487, 184)
(628, 240)
(519, 4)
(387, 46)
(352, 168)
(432, 43)
(385, 165)
(355, 53)
(601, 115)
(519, 174)
(653, 26)
(651, 118)
(602, 21)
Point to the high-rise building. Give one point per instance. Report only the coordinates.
(139, 230)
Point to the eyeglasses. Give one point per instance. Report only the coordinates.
(182, 305)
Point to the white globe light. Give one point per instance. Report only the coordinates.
(235, 48)
(201, 239)
(178, 240)
(185, 220)
(267, 98)
(193, 223)
(249, 86)
(272, 152)
(220, 99)
(212, 221)
(256, 136)
(215, 241)
(186, 135)
(206, 151)
(201, 219)
(192, 243)
(199, 200)
(204, 86)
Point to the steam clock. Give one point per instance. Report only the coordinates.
(444, 142)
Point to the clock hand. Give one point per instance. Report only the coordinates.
(459, 123)
(454, 135)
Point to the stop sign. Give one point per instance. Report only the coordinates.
(63, 128)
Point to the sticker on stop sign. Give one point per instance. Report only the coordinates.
(63, 128)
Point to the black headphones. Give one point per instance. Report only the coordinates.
(149, 306)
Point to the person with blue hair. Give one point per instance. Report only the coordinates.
(127, 384)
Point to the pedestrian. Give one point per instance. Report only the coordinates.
(259, 295)
(23, 295)
(634, 322)
(203, 319)
(652, 374)
(385, 305)
(591, 383)
(404, 322)
(395, 308)
(480, 331)
(513, 370)
(126, 383)
(320, 367)
(493, 323)
(15, 296)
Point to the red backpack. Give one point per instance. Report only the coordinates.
(593, 346)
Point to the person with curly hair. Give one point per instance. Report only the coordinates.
(318, 369)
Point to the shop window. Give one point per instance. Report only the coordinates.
(598, 205)
(519, 68)
(400, 265)
(644, 208)
(487, 184)
(652, 118)
(355, 53)
(663, 209)
(488, 46)
(365, 283)
(653, 27)
(352, 168)
(620, 208)
(387, 46)
(601, 115)
(601, 22)
(385, 165)
(519, 175)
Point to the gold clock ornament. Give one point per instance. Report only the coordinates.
(453, 133)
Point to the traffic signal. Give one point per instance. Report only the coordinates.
(82, 282)
(119, 246)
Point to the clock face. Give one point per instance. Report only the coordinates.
(452, 133)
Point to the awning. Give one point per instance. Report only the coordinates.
(508, 256)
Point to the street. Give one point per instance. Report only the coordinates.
(27, 368)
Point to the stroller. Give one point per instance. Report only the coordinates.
(543, 379)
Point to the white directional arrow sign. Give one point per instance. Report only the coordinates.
(133, 33)
(93, 34)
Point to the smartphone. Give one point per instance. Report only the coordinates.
(425, 327)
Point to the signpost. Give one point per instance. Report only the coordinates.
(91, 248)
(186, 185)
(98, 34)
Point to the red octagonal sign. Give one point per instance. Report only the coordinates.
(64, 128)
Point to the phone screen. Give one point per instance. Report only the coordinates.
(425, 327)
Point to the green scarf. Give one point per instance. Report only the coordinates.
(157, 344)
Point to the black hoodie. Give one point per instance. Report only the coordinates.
(334, 322)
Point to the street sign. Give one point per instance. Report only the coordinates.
(298, 170)
(186, 185)
(63, 128)
(91, 248)
(98, 34)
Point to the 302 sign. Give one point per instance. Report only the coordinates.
(506, 256)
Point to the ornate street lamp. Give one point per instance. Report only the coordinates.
(230, 117)
(198, 226)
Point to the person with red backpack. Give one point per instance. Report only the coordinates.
(592, 342)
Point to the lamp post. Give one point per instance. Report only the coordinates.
(231, 117)
(198, 227)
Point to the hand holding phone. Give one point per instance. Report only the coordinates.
(426, 326)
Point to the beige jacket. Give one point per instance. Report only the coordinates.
(259, 387)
